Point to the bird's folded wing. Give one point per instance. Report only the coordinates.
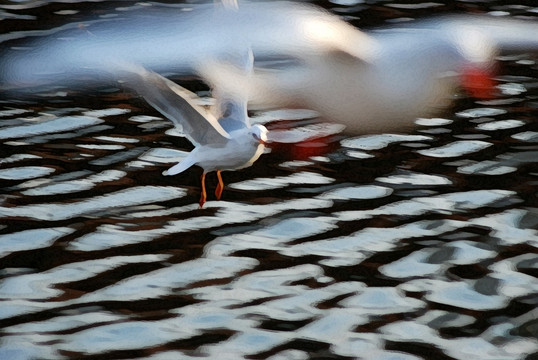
(173, 101)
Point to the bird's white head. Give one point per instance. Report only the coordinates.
(259, 132)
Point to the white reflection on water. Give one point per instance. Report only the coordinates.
(375, 142)
(508, 226)
(144, 118)
(442, 204)
(531, 136)
(272, 237)
(41, 285)
(472, 348)
(469, 252)
(303, 177)
(500, 125)
(415, 264)
(101, 146)
(17, 348)
(427, 262)
(279, 298)
(30, 239)
(382, 300)
(358, 154)
(481, 112)
(251, 342)
(303, 304)
(65, 322)
(487, 167)
(109, 236)
(121, 336)
(11, 112)
(72, 186)
(352, 249)
(228, 213)
(106, 112)
(172, 355)
(501, 164)
(360, 192)
(512, 282)
(511, 88)
(461, 294)
(116, 139)
(330, 326)
(15, 307)
(368, 344)
(18, 157)
(160, 282)
(295, 164)
(120, 199)
(456, 148)
(25, 172)
(433, 121)
(55, 125)
(415, 179)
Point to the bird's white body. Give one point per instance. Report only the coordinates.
(241, 151)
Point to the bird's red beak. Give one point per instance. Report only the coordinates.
(479, 82)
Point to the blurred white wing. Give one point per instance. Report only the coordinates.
(231, 98)
(173, 101)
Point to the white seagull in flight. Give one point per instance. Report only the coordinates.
(223, 138)
(375, 81)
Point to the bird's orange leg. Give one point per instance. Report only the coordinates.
(220, 186)
(203, 196)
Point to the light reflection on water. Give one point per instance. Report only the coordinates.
(387, 246)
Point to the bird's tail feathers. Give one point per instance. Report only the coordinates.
(179, 167)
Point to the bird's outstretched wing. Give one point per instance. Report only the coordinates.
(173, 101)
(230, 88)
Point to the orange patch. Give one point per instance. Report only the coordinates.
(479, 82)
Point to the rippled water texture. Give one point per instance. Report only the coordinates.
(391, 246)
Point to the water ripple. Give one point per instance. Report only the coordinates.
(119, 199)
(30, 239)
(374, 142)
(55, 125)
(25, 172)
(456, 148)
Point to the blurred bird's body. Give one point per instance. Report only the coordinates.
(305, 58)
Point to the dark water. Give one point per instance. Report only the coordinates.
(412, 246)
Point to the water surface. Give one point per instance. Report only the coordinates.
(392, 246)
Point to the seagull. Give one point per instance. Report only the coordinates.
(370, 81)
(223, 137)
(384, 79)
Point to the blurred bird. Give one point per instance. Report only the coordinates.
(305, 57)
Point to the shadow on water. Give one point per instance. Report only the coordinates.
(389, 246)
